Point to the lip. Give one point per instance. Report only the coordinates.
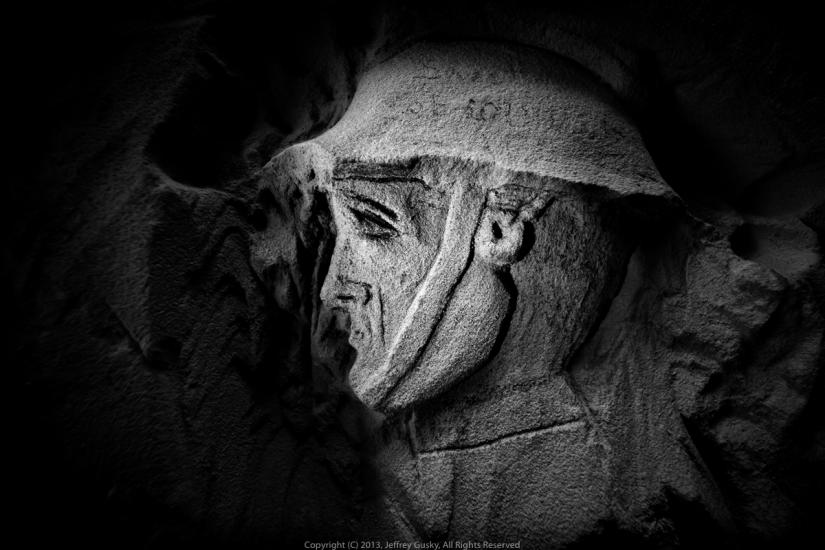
(358, 334)
(358, 306)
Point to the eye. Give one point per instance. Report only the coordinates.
(372, 224)
(370, 217)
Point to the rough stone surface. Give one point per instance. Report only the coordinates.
(577, 250)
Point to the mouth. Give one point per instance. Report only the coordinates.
(359, 331)
(357, 336)
(365, 323)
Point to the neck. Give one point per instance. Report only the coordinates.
(516, 393)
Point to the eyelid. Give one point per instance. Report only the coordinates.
(371, 221)
(372, 213)
(376, 223)
(371, 205)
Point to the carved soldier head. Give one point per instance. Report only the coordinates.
(469, 185)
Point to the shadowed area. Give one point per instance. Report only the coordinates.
(175, 384)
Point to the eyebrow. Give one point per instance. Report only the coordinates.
(374, 204)
(377, 173)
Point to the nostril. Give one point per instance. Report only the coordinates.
(338, 292)
(334, 292)
(496, 231)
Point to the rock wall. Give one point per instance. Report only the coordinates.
(171, 389)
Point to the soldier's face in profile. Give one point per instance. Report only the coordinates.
(387, 236)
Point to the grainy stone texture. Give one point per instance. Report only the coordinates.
(578, 252)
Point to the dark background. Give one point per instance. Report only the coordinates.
(156, 399)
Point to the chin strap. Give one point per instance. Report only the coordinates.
(452, 260)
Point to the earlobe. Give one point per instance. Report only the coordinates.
(499, 238)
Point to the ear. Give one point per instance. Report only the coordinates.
(499, 238)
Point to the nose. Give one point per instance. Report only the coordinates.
(334, 290)
(339, 289)
(333, 281)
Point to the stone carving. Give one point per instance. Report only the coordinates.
(177, 387)
(489, 203)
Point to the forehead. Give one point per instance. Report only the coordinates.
(404, 186)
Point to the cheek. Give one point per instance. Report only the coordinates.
(397, 268)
